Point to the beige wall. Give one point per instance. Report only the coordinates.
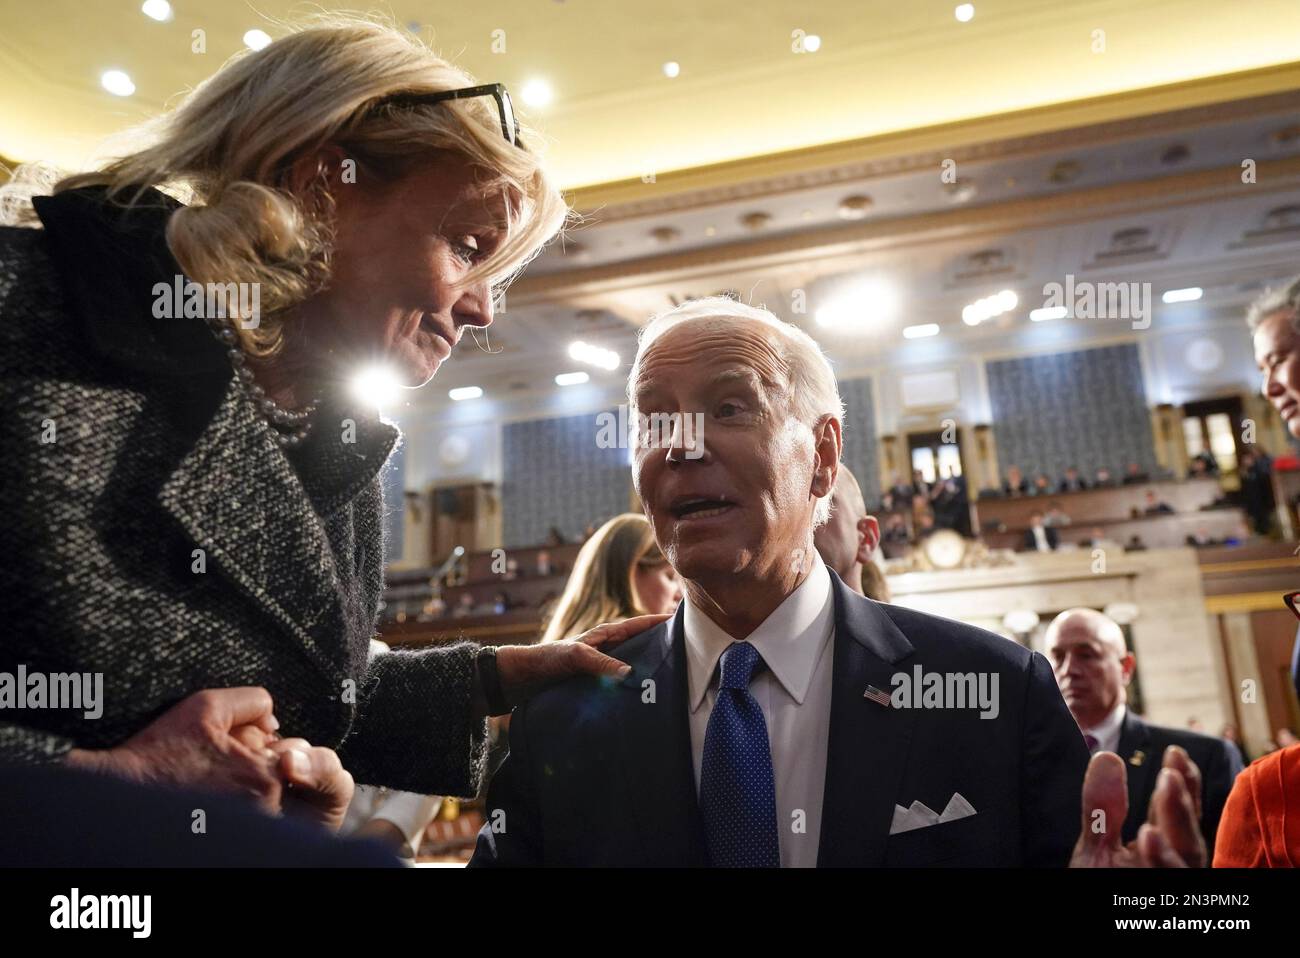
(1179, 657)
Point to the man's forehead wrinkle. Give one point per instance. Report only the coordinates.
(737, 343)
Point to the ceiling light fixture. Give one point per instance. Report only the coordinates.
(117, 83)
(862, 307)
(965, 12)
(537, 93)
(465, 392)
(921, 331)
(571, 379)
(672, 68)
(1045, 313)
(257, 39)
(159, 10)
(988, 307)
(594, 355)
(1189, 295)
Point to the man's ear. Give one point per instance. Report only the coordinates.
(868, 538)
(1127, 665)
(826, 437)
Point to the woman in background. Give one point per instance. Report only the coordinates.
(620, 573)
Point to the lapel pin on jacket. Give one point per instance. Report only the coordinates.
(1138, 757)
(877, 696)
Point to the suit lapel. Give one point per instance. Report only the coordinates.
(1136, 750)
(868, 747)
(657, 752)
(241, 501)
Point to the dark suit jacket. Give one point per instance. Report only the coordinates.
(1030, 545)
(600, 774)
(1218, 760)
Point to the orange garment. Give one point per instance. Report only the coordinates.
(1260, 827)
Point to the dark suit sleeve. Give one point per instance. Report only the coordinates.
(1054, 759)
(1217, 777)
(511, 835)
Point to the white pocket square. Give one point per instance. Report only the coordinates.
(918, 815)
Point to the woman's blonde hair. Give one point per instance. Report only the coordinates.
(229, 148)
(601, 587)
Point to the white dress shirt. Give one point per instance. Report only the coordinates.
(794, 692)
(1106, 732)
(1040, 539)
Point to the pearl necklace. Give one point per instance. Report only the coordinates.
(289, 427)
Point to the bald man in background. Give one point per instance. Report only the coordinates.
(847, 541)
(1093, 668)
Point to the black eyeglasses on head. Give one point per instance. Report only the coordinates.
(498, 92)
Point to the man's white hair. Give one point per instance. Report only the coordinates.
(1277, 299)
(814, 393)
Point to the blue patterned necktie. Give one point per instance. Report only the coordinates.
(737, 788)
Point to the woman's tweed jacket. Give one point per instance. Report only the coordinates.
(156, 533)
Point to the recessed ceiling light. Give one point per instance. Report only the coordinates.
(1045, 313)
(812, 43)
(921, 331)
(672, 68)
(159, 10)
(537, 93)
(117, 83)
(594, 355)
(465, 392)
(1189, 295)
(965, 12)
(571, 379)
(257, 39)
(988, 307)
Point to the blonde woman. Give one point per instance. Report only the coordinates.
(619, 573)
(195, 510)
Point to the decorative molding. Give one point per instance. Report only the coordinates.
(1003, 136)
(1244, 602)
(820, 249)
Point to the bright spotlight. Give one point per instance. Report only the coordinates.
(257, 39)
(860, 308)
(376, 386)
(465, 392)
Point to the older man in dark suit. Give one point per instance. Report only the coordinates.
(1094, 667)
(779, 719)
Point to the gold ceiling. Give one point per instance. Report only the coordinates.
(742, 91)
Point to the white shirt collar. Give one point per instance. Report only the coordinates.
(1106, 732)
(790, 640)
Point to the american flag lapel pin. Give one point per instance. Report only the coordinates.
(877, 696)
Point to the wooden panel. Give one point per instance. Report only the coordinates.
(1157, 532)
(1275, 635)
(1095, 506)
